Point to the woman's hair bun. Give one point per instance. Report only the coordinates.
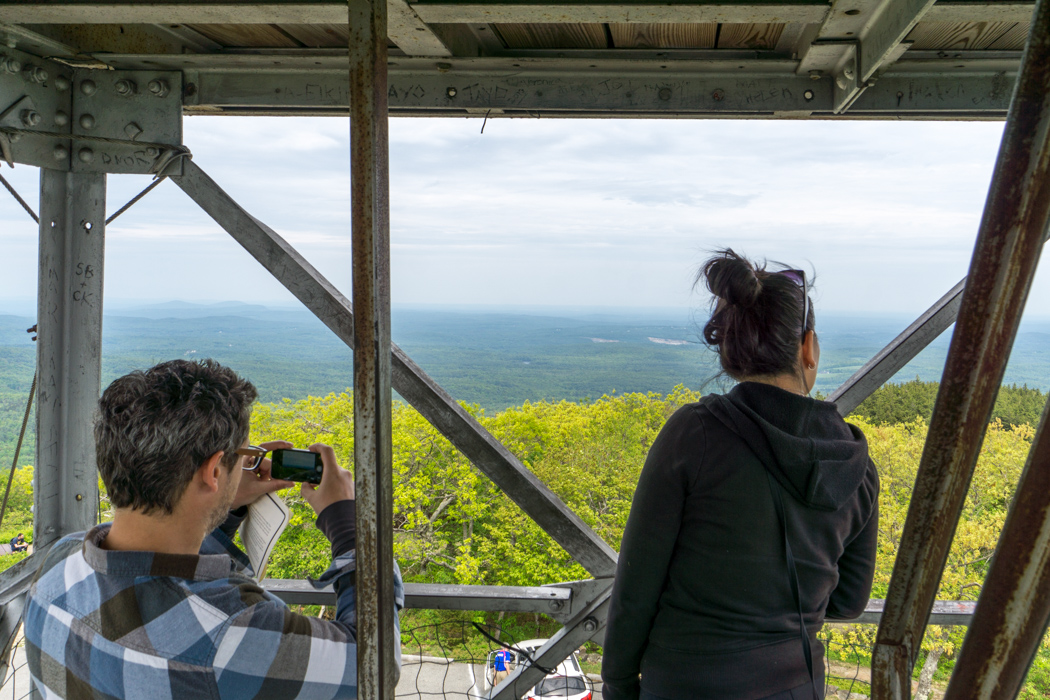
(731, 277)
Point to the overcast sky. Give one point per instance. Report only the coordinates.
(551, 212)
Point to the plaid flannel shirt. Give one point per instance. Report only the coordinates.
(145, 625)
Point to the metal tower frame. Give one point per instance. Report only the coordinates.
(80, 100)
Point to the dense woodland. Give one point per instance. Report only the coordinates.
(452, 525)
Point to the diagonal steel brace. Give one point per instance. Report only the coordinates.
(422, 392)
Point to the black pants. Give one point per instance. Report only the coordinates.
(802, 692)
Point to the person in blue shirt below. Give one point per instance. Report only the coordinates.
(755, 517)
(18, 543)
(501, 665)
(160, 604)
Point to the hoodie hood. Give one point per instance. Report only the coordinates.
(804, 443)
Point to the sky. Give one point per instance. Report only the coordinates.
(545, 212)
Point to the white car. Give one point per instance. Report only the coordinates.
(568, 682)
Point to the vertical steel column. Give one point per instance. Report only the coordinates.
(1005, 257)
(69, 351)
(370, 229)
(1014, 606)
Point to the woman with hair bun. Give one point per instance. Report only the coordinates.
(755, 516)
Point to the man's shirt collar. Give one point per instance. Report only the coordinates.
(195, 567)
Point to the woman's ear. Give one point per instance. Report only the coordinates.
(810, 351)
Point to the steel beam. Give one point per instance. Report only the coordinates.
(1005, 257)
(548, 600)
(589, 623)
(410, 33)
(409, 380)
(574, 11)
(627, 88)
(944, 612)
(856, 40)
(377, 661)
(901, 350)
(1014, 606)
(69, 351)
(1007, 11)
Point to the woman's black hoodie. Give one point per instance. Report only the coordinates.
(702, 605)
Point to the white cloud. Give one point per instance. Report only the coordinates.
(549, 212)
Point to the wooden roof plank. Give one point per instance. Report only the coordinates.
(749, 36)
(1014, 38)
(576, 12)
(957, 35)
(246, 35)
(663, 36)
(553, 36)
(455, 11)
(319, 36)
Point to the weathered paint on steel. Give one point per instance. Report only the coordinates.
(1004, 261)
(69, 351)
(1014, 605)
(377, 670)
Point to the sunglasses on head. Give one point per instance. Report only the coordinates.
(799, 278)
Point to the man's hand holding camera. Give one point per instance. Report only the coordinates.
(337, 484)
(258, 482)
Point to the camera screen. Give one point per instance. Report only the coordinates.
(299, 460)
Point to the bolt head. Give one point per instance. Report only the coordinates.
(159, 87)
(848, 72)
(451, 92)
(62, 82)
(11, 65)
(665, 93)
(60, 152)
(35, 74)
(808, 94)
(152, 152)
(86, 155)
(444, 67)
(61, 118)
(30, 117)
(814, 75)
(87, 121)
(88, 87)
(718, 95)
(590, 624)
(125, 87)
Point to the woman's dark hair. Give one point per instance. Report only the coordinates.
(756, 326)
(154, 429)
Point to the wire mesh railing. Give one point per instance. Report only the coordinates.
(464, 659)
(16, 682)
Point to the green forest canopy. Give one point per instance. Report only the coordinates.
(453, 525)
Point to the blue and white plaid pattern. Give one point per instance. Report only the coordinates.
(143, 625)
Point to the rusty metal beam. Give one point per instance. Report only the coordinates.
(377, 639)
(1005, 257)
(1014, 606)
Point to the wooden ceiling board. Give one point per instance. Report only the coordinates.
(663, 36)
(1014, 39)
(957, 35)
(749, 36)
(247, 36)
(319, 36)
(553, 36)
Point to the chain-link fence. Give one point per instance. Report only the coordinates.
(17, 684)
(465, 660)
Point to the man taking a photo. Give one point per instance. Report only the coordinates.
(160, 603)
